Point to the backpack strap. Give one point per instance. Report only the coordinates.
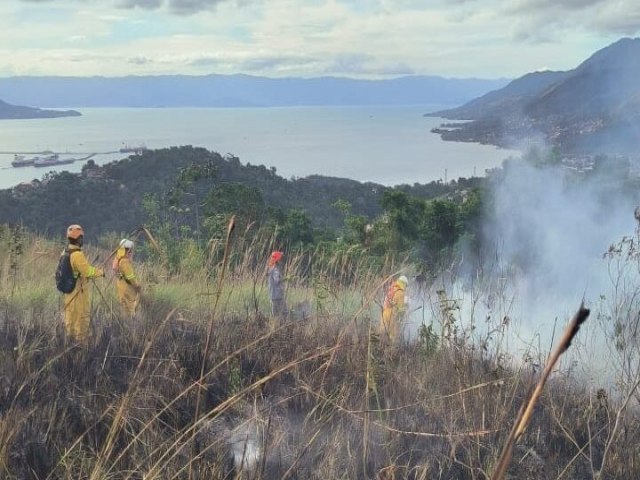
(70, 252)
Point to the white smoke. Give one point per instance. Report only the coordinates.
(246, 449)
(547, 231)
(555, 229)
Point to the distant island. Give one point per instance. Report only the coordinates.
(15, 112)
(594, 108)
(171, 91)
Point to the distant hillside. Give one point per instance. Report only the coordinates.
(506, 101)
(111, 198)
(239, 91)
(8, 111)
(595, 107)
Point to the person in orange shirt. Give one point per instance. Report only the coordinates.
(77, 304)
(393, 311)
(275, 283)
(127, 283)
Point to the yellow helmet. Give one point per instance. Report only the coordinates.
(74, 232)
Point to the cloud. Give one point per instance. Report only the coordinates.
(354, 64)
(144, 4)
(528, 6)
(618, 19)
(551, 20)
(362, 64)
(139, 60)
(277, 63)
(269, 63)
(457, 38)
(205, 62)
(179, 7)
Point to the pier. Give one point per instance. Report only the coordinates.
(49, 152)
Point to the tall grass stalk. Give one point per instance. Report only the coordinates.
(207, 344)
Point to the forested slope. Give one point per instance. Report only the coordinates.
(111, 198)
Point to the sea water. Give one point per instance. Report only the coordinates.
(387, 145)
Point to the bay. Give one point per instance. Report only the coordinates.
(386, 145)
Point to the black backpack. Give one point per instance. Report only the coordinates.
(65, 280)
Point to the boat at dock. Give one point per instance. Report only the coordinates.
(137, 149)
(52, 160)
(22, 161)
(46, 159)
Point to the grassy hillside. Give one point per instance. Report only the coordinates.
(316, 396)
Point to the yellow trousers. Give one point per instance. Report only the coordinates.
(389, 328)
(77, 312)
(127, 296)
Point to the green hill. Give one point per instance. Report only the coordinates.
(110, 198)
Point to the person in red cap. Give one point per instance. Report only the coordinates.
(276, 286)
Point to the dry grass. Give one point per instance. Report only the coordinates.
(316, 397)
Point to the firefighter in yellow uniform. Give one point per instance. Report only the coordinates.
(127, 284)
(393, 311)
(77, 304)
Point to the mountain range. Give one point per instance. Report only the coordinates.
(238, 91)
(8, 111)
(592, 108)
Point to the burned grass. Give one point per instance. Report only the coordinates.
(313, 396)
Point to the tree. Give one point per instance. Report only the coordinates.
(471, 216)
(440, 227)
(404, 214)
(297, 229)
(232, 198)
(355, 226)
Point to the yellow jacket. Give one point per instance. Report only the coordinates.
(395, 298)
(127, 284)
(82, 269)
(392, 311)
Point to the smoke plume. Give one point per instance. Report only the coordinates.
(547, 230)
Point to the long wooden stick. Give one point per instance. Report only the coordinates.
(524, 415)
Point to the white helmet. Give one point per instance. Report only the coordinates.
(403, 279)
(124, 243)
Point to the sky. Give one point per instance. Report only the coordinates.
(279, 38)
